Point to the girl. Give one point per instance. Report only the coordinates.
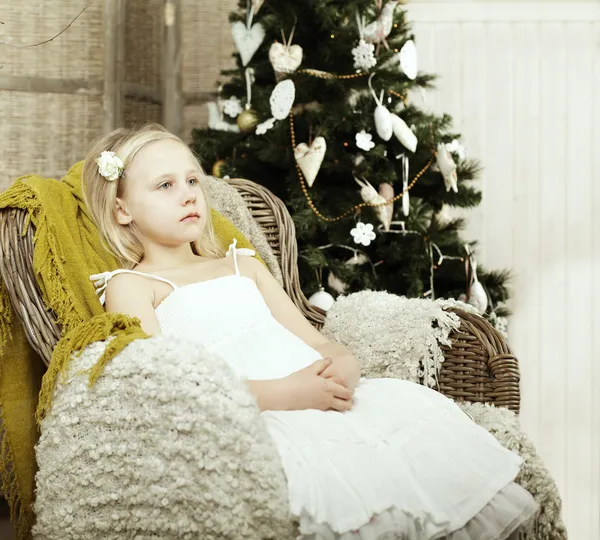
(362, 458)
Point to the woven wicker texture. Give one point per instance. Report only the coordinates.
(478, 367)
(143, 40)
(206, 49)
(42, 130)
(76, 54)
(137, 113)
(45, 132)
(52, 96)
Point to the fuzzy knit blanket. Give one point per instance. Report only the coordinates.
(228, 201)
(169, 444)
(63, 225)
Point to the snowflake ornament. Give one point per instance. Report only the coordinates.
(265, 126)
(364, 141)
(232, 107)
(456, 148)
(364, 55)
(363, 233)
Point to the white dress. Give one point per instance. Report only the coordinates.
(405, 462)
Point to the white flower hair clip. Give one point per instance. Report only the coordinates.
(110, 166)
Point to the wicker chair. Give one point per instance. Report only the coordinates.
(478, 366)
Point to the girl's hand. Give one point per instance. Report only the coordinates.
(308, 389)
(343, 370)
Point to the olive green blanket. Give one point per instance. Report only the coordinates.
(67, 250)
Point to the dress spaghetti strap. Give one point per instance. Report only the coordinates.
(235, 251)
(101, 280)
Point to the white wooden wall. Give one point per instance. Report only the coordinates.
(522, 80)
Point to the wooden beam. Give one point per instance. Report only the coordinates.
(198, 98)
(171, 67)
(140, 92)
(111, 83)
(119, 99)
(42, 85)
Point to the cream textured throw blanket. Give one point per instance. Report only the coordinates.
(227, 200)
(168, 444)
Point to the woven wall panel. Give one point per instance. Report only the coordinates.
(76, 54)
(194, 116)
(45, 133)
(138, 113)
(206, 48)
(143, 40)
(41, 131)
(143, 58)
(51, 125)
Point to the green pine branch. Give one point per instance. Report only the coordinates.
(337, 109)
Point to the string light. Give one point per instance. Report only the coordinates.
(431, 246)
(355, 252)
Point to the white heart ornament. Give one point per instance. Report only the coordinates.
(247, 40)
(282, 99)
(408, 59)
(403, 133)
(285, 59)
(309, 158)
(383, 122)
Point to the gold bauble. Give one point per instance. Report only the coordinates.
(247, 120)
(217, 168)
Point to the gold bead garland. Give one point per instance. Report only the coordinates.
(399, 96)
(311, 204)
(326, 75)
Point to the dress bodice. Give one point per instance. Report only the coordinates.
(229, 316)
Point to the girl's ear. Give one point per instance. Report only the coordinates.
(123, 217)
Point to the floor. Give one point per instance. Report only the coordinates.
(6, 529)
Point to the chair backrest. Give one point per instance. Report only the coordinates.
(40, 324)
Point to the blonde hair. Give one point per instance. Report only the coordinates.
(100, 195)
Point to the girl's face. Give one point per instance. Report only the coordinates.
(162, 187)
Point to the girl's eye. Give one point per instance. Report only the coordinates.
(193, 180)
(164, 184)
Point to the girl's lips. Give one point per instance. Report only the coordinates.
(190, 218)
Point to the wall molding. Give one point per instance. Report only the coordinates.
(477, 11)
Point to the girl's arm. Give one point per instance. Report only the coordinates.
(286, 313)
(127, 293)
(270, 395)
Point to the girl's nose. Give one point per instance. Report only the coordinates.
(190, 196)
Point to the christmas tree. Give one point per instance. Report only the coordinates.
(319, 111)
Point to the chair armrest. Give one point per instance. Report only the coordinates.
(16, 270)
(479, 365)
